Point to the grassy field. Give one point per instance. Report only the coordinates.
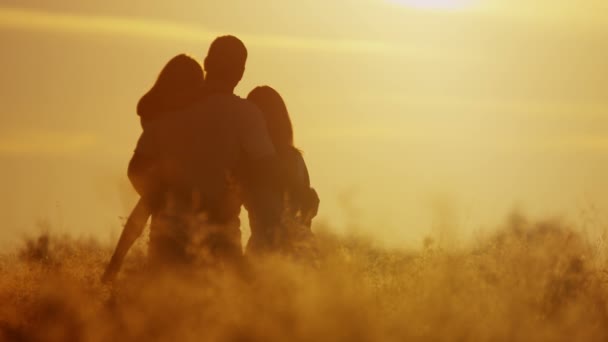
(527, 282)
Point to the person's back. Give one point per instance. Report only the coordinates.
(300, 201)
(178, 86)
(300, 206)
(200, 147)
(197, 150)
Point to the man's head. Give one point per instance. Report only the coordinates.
(225, 61)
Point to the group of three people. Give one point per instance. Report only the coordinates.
(205, 152)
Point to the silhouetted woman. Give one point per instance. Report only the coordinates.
(179, 85)
(301, 201)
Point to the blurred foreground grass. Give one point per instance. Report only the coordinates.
(528, 282)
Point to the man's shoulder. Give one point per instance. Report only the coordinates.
(233, 101)
(248, 108)
(227, 101)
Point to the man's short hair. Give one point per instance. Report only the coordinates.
(227, 55)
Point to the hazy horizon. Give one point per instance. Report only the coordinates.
(406, 110)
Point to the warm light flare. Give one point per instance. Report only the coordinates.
(435, 4)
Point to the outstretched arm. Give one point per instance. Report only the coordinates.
(133, 229)
(143, 174)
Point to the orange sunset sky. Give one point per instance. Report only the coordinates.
(410, 112)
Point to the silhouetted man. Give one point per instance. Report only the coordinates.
(189, 161)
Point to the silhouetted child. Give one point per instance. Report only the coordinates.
(301, 202)
(179, 85)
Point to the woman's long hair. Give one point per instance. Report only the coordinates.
(179, 84)
(276, 115)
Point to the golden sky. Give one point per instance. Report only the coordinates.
(404, 108)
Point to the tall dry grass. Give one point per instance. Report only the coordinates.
(528, 282)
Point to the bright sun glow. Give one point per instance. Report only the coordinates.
(435, 4)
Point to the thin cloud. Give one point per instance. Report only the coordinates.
(44, 21)
(42, 143)
(37, 20)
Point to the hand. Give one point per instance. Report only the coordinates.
(109, 275)
(312, 204)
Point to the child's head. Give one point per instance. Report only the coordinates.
(275, 113)
(179, 83)
(181, 72)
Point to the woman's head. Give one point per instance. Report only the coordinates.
(179, 83)
(275, 113)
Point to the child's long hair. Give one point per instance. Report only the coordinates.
(276, 115)
(179, 84)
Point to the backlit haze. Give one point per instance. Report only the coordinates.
(410, 113)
